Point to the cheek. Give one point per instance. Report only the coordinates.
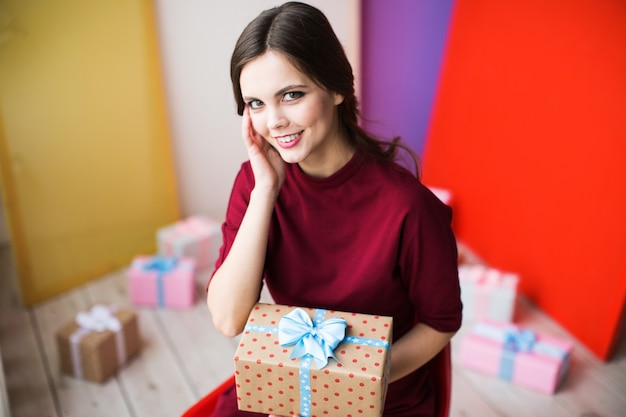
(259, 124)
(306, 115)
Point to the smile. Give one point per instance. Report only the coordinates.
(288, 138)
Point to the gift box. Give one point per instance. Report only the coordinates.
(521, 356)
(442, 194)
(487, 293)
(313, 362)
(158, 281)
(98, 342)
(195, 237)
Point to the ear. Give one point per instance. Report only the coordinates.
(338, 99)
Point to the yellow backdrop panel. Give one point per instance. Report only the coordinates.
(87, 171)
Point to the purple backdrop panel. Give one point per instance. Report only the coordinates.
(402, 48)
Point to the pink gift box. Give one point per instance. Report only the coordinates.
(521, 356)
(158, 281)
(195, 237)
(487, 293)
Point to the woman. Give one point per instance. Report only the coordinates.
(321, 212)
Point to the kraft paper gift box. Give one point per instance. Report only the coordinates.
(518, 355)
(281, 369)
(159, 281)
(98, 342)
(487, 293)
(195, 237)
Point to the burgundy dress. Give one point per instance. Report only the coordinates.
(368, 239)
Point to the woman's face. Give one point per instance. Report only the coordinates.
(294, 114)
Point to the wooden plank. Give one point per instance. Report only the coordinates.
(153, 382)
(466, 400)
(75, 396)
(205, 355)
(184, 357)
(4, 397)
(24, 372)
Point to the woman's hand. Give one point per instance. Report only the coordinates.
(267, 165)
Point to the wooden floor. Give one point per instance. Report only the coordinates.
(183, 357)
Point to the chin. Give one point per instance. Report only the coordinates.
(290, 157)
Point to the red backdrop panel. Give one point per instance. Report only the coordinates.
(529, 132)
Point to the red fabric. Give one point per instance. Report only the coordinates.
(206, 406)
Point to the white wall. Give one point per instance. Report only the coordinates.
(197, 38)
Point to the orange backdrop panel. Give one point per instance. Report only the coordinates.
(529, 132)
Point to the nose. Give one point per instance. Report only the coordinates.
(276, 119)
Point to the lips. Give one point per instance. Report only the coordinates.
(289, 141)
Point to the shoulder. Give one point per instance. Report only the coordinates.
(245, 176)
(403, 186)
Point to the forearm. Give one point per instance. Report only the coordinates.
(235, 286)
(416, 348)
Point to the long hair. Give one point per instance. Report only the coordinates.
(303, 34)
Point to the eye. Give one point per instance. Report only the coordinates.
(255, 104)
(293, 95)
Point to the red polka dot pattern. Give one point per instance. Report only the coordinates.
(267, 379)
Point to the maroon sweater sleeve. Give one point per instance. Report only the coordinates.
(429, 259)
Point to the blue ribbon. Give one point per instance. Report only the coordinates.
(315, 341)
(162, 265)
(515, 340)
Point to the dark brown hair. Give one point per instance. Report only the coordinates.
(305, 37)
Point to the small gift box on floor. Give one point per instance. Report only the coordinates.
(98, 342)
(442, 194)
(195, 237)
(487, 293)
(521, 356)
(159, 281)
(313, 362)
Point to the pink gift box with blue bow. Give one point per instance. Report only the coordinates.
(313, 362)
(521, 356)
(161, 281)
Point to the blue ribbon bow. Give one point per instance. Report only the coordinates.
(317, 339)
(519, 340)
(162, 265)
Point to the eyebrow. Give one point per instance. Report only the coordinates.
(280, 92)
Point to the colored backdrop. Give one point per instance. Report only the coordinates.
(402, 47)
(86, 170)
(529, 133)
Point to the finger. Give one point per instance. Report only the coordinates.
(251, 137)
(246, 126)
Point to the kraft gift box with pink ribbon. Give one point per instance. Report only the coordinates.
(98, 342)
(313, 362)
(162, 281)
(487, 293)
(196, 237)
(519, 355)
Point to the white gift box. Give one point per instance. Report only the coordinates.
(195, 237)
(487, 293)
(442, 194)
